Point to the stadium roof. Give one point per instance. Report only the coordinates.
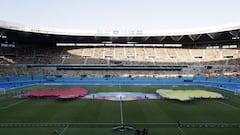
(120, 33)
(23, 34)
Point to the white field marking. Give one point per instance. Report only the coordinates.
(183, 123)
(57, 124)
(64, 130)
(13, 104)
(181, 130)
(121, 109)
(231, 106)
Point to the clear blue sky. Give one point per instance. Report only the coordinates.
(121, 14)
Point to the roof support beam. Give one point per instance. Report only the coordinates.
(195, 37)
(176, 38)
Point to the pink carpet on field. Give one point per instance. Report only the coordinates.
(58, 93)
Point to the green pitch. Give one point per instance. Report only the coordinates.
(94, 117)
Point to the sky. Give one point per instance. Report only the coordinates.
(121, 14)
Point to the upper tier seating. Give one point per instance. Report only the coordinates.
(123, 55)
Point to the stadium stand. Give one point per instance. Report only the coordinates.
(158, 57)
(126, 55)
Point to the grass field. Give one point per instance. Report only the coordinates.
(94, 117)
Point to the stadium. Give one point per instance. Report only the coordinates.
(55, 81)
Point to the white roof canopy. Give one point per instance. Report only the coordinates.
(211, 31)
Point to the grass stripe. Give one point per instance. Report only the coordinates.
(13, 104)
(231, 106)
